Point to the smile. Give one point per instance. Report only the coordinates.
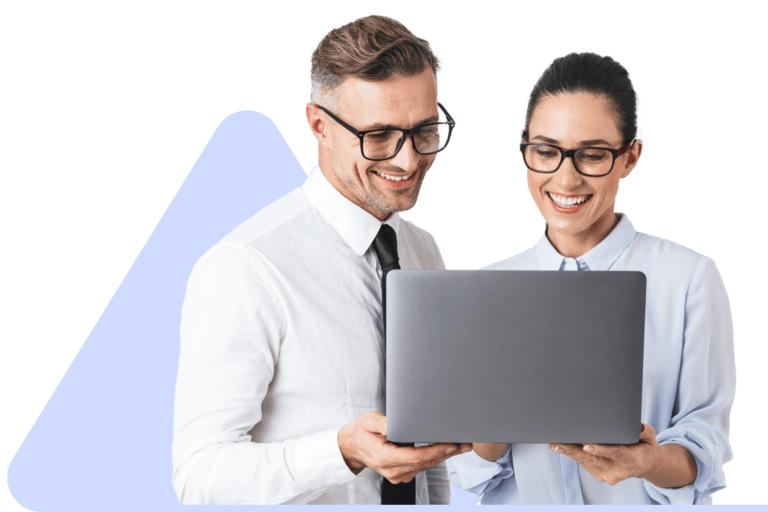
(568, 202)
(391, 177)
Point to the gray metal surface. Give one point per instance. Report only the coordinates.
(514, 356)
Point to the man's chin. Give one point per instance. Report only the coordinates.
(399, 205)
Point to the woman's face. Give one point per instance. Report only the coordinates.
(574, 120)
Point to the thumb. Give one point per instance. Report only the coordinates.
(648, 434)
(376, 422)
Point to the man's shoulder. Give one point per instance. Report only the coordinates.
(261, 241)
(526, 260)
(420, 247)
(274, 219)
(415, 233)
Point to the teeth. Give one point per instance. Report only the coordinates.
(568, 202)
(394, 178)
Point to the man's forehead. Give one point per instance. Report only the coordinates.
(393, 97)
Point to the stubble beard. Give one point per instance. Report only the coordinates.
(376, 198)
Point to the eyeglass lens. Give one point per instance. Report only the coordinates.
(590, 161)
(384, 144)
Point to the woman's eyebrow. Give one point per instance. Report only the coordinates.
(594, 142)
(583, 143)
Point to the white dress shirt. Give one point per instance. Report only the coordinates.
(689, 380)
(282, 345)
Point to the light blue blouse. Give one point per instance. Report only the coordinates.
(689, 380)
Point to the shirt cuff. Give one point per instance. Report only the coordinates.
(690, 494)
(317, 461)
(471, 472)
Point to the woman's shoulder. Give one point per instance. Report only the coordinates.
(667, 258)
(526, 260)
(660, 248)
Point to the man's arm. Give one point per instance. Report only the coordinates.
(230, 342)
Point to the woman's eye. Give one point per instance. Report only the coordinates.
(593, 156)
(545, 153)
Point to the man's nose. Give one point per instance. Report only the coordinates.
(407, 158)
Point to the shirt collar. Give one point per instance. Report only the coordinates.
(601, 257)
(357, 227)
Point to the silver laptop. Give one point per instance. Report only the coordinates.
(508, 356)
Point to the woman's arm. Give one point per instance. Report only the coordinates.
(490, 451)
(668, 466)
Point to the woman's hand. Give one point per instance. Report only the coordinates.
(668, 466)
(490, 451)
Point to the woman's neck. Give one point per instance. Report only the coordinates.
(578, 244)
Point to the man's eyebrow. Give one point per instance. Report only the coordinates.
(385, 126)
(584, 143)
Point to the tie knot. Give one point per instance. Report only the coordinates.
(385, 245)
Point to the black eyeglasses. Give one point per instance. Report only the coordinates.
(593, 162)
(385, 143)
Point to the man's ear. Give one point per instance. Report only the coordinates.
(633, 155)
(318, 123)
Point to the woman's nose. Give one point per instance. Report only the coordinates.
(567, 176)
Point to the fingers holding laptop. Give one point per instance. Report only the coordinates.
(614, 463)
(364, 444)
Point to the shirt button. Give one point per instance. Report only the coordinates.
(583, 264)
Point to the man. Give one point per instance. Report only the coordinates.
(281, 372)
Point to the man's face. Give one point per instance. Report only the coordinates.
(383, 187)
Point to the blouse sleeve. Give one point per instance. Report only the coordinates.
(474, 474)
(706, 388)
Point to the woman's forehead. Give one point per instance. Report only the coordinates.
(576, 116)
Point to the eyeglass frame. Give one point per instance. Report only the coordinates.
(406, 133)
(565, 153)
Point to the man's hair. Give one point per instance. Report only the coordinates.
(374, 48)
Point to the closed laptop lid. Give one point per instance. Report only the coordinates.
(514, 356)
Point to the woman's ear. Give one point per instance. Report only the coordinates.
(633, 155)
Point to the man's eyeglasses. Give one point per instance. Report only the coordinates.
(385, 143)
(593, 162)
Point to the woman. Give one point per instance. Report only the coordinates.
(579, 141)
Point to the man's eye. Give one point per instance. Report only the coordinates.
(428, 131)
(378, 136)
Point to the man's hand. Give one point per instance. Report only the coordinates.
(364, 444)
(666, 466)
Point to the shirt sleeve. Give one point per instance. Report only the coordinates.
(477, 475)
(438, 484)
(231, 327)
(705, 390)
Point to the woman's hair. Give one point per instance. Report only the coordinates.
(590, 73)
(374, 48)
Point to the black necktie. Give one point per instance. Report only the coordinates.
(385, 246)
